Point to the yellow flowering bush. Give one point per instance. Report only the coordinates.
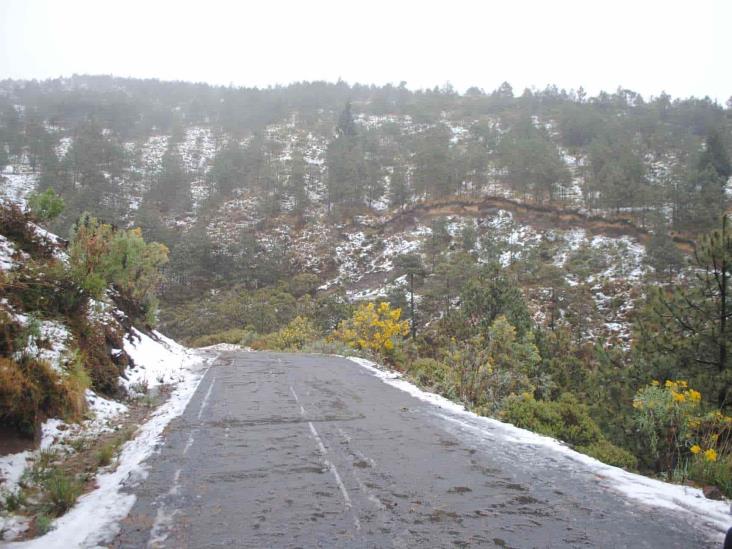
(712, 437)
(664, 413)
(685, 442)
(373, 328)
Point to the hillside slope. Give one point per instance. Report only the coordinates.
(77, 380)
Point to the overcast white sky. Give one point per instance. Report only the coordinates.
(682, 47)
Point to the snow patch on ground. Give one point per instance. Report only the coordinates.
(56, 335)
(11, 469)
(360, 256)
(7, 250)
(197, 149)
(573, 240)
(17, 185)
(156, 362)
(643, 489)
(64, 144)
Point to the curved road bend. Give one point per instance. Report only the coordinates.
(285, 450)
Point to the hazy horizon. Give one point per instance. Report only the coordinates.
(678, 48)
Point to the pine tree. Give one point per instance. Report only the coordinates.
(346, 172)
(296, 182)
(685, 331)
(412, 266)
(346, 126)
(437, 241)
(11, 129)
(663, 255)
(715, 155)
(433, 162)
(172, 189)
(468, 237)
(231, 169)
(374, 181)
(398, 190)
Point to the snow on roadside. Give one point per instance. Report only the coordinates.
(154, 359)
(55, 432)
(11, 469)
(644, 489)
(102, 414)
(93, 520)
(225, 347)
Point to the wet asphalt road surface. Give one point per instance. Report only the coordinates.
(283, 450)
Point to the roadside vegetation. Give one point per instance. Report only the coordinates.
(101, 267)
(64, 310)
(659, 406)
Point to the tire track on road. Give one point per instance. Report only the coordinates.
(328, 462)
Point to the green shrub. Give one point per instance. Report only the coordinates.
(61, 491)
(48, 287)
(30, 333)
(293, 337)
(607, 452)
(487, 370)
(106, 454)
(302, 284)
(44, 522)
(13, 500)
(100, 255)
(327, 347)
(717, 473)
(95, 340)
(539, 416)
(433, 375)
(46, 205)
(566, 419)
(42, 468)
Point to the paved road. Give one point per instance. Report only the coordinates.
(281, 450)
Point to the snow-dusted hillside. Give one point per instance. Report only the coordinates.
(358, 256)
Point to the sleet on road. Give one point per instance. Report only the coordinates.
(286, 450)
